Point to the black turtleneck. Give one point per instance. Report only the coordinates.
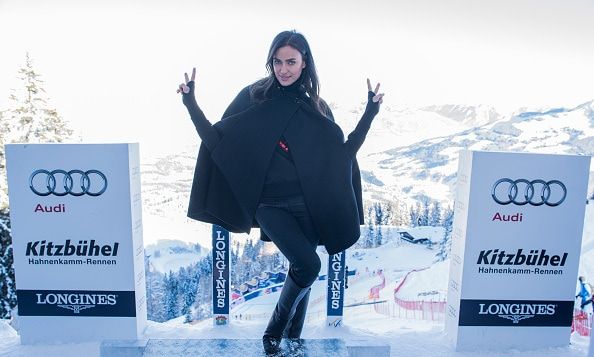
(282, 179)
(294, 88)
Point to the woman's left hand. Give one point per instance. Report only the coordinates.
(377, 97)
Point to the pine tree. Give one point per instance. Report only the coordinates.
(370, 236)
(446, 243)
(416, 216)
(256, 266)
(171, 296)
(8, 299)
(30, 116)
(424, 216)
(28, 119)
(204, 306)
(388, 214)
(189, 288)
(4, 133)
(435, 215)
(155, 296)
(7, 287)
(235, 263)
(378, 222)
(188, 316)
(402, 216)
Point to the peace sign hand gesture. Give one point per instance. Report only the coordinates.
(187, 87)
(206, 131)
(377, 97)
(374, 98)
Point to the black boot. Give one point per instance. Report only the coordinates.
(296, 347)
(271, 345)
(295, 326)
(290, 297)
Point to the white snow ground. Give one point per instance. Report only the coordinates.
(406, 337)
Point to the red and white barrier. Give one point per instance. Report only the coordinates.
(582, 323)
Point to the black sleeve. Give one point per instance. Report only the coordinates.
(241, 102)
(206, 131)
(327, 110)
(357, 136)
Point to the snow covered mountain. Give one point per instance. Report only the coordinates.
(428, 168)
(468, 115)
(170, 255)
(405, 126)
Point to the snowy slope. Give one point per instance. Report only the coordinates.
(470, 116)
(395, 127)
(428, 168)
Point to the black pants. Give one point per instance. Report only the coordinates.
(288, 224)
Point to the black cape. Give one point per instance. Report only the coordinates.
(230, 173)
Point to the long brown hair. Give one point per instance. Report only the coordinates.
(260, 90)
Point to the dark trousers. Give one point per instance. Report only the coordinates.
(287, 222)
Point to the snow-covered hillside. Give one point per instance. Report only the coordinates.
(470, 116)
(396, 127)
(428, 168)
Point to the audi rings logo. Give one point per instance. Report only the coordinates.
(73, 182)
(536, 192)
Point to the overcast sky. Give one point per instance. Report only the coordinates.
(111, 67)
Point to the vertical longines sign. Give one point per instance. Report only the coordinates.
(75, 211)
(335, 294)
(515, 251)
(220, 275)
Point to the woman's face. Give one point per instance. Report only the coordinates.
(288, 65)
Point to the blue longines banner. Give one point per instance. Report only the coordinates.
(76, 303)
(335, 295)
(512, 312)
(220, 275)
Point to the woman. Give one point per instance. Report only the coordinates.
(278, 161)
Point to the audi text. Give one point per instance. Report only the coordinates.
(508, 217)
(61, 208)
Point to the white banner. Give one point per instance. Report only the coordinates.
(515, 251)
(76, 220)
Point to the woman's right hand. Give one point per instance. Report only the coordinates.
(374, 99)
(185, 88)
